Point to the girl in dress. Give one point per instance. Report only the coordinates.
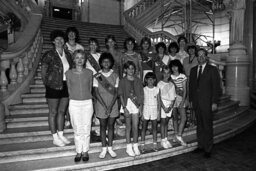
(79, 81)
(131, 55)
(131, 95)
(179, 79)
(106, 108)
(168, 96)
(151, 108)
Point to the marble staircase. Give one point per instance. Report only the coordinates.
(27, 142)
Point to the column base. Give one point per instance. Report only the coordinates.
(241, 94)
(2, 118)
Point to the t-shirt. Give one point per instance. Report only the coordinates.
(150, 96)
(96, 83)
(179, 80)
(73, 48)
(167, 91)
(181, 55)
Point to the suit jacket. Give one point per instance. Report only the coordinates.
(207, 91)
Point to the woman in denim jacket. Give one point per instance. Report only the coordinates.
(55, 63)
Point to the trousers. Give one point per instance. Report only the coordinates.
(81, 112)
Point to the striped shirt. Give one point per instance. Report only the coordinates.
(179, 80)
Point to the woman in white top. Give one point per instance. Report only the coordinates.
(182, 54)
(173, 49)
(93, 56)
(72, 44)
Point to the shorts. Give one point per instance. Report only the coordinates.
(178, 101)
(130, 107)
(149, 112)
(57, 94)
(166, 103)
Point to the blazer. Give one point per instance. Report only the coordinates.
(207, 91)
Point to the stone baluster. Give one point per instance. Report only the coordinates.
(25, 63)
(221, 69)
(2, 118)
(3, 77)
(20, 70)
(13, 74)
(30, 66)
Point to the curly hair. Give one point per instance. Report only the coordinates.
(160, 44)
(173, 45)
(94, 40)
(57, 33)
(106, 55)
(74, 30)
(145, 39)
(112, 37)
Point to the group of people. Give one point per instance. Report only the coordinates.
(146, 85)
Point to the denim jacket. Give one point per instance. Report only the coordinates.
(52, 68)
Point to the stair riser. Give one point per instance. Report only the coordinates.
(29, 111)
(34, 100)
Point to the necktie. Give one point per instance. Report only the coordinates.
(199, 73)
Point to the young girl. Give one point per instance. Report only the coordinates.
(151, 108)
(161, 59)
(131, 55)
(168, 96)
(106, 108)
(173, 49)
(79, 81)
(130, 91)
(147, 56)
(179, 80)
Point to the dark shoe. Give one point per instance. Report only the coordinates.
(85, 157)
(198, 150)
(78, 157)
(207, 155)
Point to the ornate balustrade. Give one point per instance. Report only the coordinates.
(137, 30)
(19, 62)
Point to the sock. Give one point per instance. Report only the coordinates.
(55, 136)
(60, 133)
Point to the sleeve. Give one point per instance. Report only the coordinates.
(45, 64)
(95, 82)
(117, 82)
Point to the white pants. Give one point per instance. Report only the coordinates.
(81, 112)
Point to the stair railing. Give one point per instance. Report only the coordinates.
(138, 31)
(18, 63)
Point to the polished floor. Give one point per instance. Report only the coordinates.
(235, 154)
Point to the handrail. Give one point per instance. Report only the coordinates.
(19, 62)
(138, 31)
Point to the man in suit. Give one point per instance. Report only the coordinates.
(204, 91)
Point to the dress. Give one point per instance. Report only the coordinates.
(167, 96)
(179, 80)
(159, 65)
(150, 103)
(113, 79)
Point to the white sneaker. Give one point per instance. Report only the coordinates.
(64, 139)
(163, 144)
(136, 149)
(103, 153)
(58, 142)
(180, 139)
(168, 144)
(111, 152)
(129, 150)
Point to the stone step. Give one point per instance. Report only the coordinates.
(28, 106)
(37, 90)
(42, 134)
(29, 95)
(55, 153)
(38, 81)
(37, 86)
(29, 111)
(26, 124)
(32, 100)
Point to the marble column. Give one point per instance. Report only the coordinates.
(238, 62)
